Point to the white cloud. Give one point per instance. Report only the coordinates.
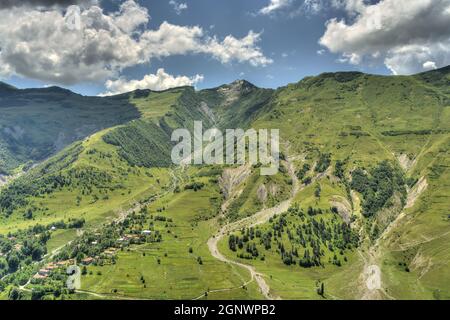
(404, 34)
(157, 82)
(274, 5)
(178, 7)
(313, 6)
(171, 40)
(131, 16)
(351, 6)
(429, 65)
(38, 44)
(295, 8)
(242, 50)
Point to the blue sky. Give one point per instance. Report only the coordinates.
(289, 32)
(292, 43)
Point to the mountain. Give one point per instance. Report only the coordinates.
(6, 88)
(361, 197)
(236, 104)
(36, 123)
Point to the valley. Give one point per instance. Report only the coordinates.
(358, 210)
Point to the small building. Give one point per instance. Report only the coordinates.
(87, 261)
(44, 272)
(110, 252)
(51, 266)
(65, 263)
(146, 232)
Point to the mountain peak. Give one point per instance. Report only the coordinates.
(237, 87)
(56, 89)
(242, 84)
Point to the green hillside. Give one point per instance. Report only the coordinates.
(364, 183)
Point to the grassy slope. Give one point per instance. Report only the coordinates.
(421, 239)
(134, 184)
(294, 282)
(179, 275)
(365, 119)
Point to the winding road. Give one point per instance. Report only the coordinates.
(258, 218)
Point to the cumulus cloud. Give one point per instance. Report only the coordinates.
(157, 82)
(242, 50)
(429, 65)
(171, 40)
(178, 7)
(313, 6)
(39, 44)
(294, 8)
(351, 6)
(404, 34)
(45, 3)
(274, 5)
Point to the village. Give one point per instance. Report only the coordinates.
(105, 257)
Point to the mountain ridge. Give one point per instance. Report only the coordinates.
(242, 82)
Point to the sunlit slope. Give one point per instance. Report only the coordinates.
(415, 252)
(365, 117)
(235, 105)
(361, 120)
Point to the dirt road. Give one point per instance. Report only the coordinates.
(258, 218)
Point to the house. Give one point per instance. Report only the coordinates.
(110, 252)
(51, 266)
(87, 261)
(44, 272)
(38, 276)
(65, 263)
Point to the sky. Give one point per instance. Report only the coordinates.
(105, 47)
